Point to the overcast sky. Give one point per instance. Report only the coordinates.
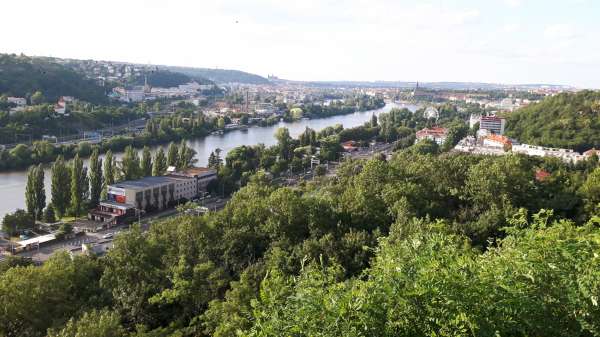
(507, 41)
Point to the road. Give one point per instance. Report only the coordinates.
(74, 244)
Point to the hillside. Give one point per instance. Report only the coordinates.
(566, 120)
(166, 79)
(222, 75)
(22, 76)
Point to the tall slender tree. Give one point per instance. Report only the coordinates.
(79, 185)
(61, 187)
(108, 173)
(130, 164)
(172, 155)
(146, 163)
(95, 178)
(40, 192)
(30, 191)
(35, 192)
(159, 166)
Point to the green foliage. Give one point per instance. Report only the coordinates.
(34, 299)
(432, 283)
(95, 178)
(130, 165)
(92, 324)
(567, 120)
(159, 166)
(146, 163)
(23, 76)
(61, 187)
(35, 193)
(79, 186)
(14, 223)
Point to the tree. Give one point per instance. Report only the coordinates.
(130, 164)
(426, 146)
(373, 120)
(61, 186)
(35, 193)
(15, 222)
(49, 216)
(221, 123)
(172, 154)
(37, 98)
(146, 163)
(185, 156)
(284, 142)
(108, 172)
(214, 160)
(159, 166)
(30, 198)
(79, 185)
(92, 324)
(95, 178)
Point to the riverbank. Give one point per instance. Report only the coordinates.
(12, 184)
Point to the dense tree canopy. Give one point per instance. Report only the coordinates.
(568, 120)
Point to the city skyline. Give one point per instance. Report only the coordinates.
(501, 41)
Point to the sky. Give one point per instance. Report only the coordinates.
(495, 41)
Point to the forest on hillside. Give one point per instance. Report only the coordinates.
(567, 120)
(221, 75)
(22, 76)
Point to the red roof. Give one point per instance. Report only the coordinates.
(499, 139)
(435, 132)
(541, 175)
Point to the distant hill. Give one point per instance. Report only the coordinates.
(22, 76)
(166, 79)
(569, 120)
(221, 75)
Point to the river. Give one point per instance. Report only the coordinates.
(12, 184)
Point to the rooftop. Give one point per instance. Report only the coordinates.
(143, 183)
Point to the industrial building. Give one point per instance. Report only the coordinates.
(127, 199)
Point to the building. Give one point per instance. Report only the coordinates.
(126, 200)
(497, 141)
(350, 146)
(565, 155)
(202, 175)
(435, 134)
(492, 124)
(18, 101)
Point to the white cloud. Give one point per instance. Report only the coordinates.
(513, 3)
(511, 27)
(560, 31)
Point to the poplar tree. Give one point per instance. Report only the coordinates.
(172, 155)
(40, 192)
(130, 164)
(35, 193)
(146, 163)
(61, 187)
(108, 173)
(79, 185)
(95, 178)
(159, 166)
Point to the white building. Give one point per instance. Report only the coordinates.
(18, 101)
(566, 155)
(492, 124)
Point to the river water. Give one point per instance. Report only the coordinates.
(12, 184)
